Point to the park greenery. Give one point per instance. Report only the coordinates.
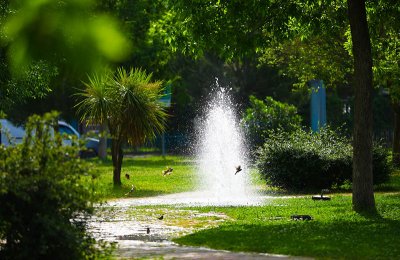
(306, 161)
(262, 117)
(336, 231)
(43, 200)
(105, 62)
(128, 104)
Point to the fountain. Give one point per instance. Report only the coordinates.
(221, 161)
(223, 169)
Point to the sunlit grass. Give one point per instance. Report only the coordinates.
(146, 175)
(336, 231)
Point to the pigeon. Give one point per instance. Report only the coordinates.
(161, 218)
(167, 171)
(127, 176)
(238, 169)
(132, 190)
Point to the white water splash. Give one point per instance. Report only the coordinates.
(221, 149)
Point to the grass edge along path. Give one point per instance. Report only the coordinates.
(335, 231)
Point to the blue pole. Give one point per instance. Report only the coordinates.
(318, 104)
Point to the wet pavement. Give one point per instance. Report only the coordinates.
(139, 233)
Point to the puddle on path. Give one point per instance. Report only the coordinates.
(140, 234)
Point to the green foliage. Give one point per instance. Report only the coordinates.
(304, 161)
(265, 116)
(128, 102)
(32, 83)
(53, 31)
(43, 203)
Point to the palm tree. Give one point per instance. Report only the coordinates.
(128, 103)
(95, 105)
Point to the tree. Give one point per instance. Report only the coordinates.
(129, 104)
(363, 194)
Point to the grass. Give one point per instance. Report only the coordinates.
(145, 174)
(335, 231)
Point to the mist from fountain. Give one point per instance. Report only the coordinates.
(220, 150)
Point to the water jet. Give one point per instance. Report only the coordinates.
(222, 157)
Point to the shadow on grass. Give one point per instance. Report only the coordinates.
(341, 239)
(393, 185)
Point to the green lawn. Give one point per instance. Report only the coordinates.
(145, 174)
(335, 231)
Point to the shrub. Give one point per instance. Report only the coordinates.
(264, 116)
(304, 161)
(43, 202)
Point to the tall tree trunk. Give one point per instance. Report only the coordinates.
(103, 142)
(396, 135)
(363, 194)
(117, 155)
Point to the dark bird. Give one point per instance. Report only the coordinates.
(161, 218)
(238, 169)
(148, 230)
(127, 176)
(168, 171)
(132, 190)
(301, 217)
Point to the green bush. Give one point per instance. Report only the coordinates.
(304, 161)
(264, 116)
(43, 203)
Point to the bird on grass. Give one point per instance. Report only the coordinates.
(238, 169)
(168, 171)
(127, 176)
(301, 217)
(148, 230)
(161, 217)
(132, 190)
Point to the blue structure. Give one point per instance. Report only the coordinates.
(318, 104)
(166, 101)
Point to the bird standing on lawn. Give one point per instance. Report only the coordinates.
(168, 171)
(238, 169)
(127, 176)
(161, 218)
